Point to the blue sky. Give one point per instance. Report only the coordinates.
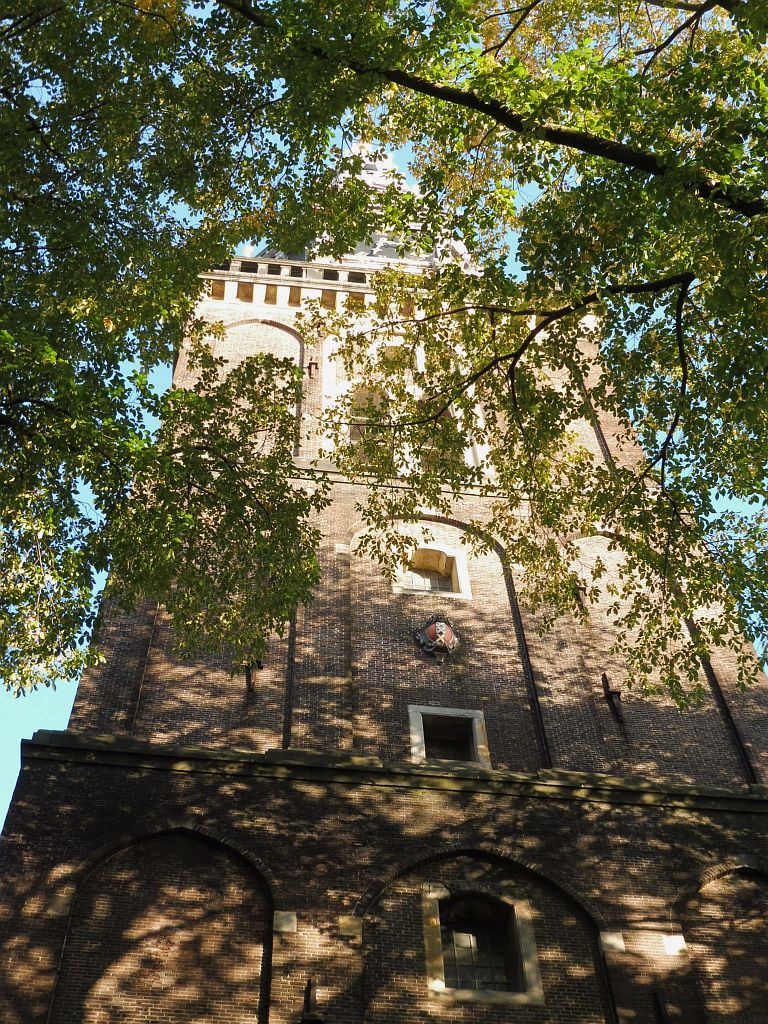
(19, 718)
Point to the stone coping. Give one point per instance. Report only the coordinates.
(354, 769)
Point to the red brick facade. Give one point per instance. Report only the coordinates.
(190, 851)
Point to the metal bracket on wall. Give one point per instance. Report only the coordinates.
(249, 675)
(613, 696)
(310, 1013)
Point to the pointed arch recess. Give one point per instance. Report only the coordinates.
(299, 359)
(378, 886)
(537, 872)
(706, 876)
(249, 321)
(63, 902)
(60, 902)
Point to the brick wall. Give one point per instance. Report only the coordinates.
(139, 923)
(345, 678)
(333, 842)
(487, 673)
(171, 929)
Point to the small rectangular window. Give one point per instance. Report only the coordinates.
(355, 300)
(430, 569)
(330, 275)
(448, 734)
(435, 569)
(356, 277)
(448, 738)
(274, 268)
(245, 291)
(297, 272)
(328, 299)
(427, 580)
(216, 289)
(249, 267)
(270, 294)
(294, 297)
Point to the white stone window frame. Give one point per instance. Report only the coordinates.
(416, 714)
(462, 590)
(521, 920)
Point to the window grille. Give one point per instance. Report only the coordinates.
(428, 580)
(448, 738)
(478, 940)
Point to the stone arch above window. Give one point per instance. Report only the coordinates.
(255, 337)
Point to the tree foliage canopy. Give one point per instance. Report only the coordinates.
(623, 147)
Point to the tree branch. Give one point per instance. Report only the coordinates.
(26, 22)
(548, 317)
(683, 358)
(523, 13)
(571, 138)
(681, 5)
(690, 22)
(685, 284)
(558, 135)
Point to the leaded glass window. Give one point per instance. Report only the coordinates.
(479, 948)
(427, 580)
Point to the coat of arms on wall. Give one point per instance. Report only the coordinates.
(437, 636)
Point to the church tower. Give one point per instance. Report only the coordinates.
(385, 828)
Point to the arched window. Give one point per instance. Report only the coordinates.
(479, 945)
(480, 948)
